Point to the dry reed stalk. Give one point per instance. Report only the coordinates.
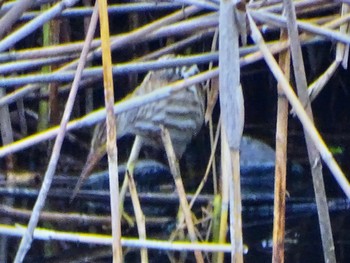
(232, 113)
(316, 87)
(224, 192)
(281, 161)
(172, 48)
(175, 171)
(6, 138)
(310, 28)
(56, 217)
(342, 53)
(99, 239)
(212, 96)
(112, 150)
(13, 15)
(96, 72)
(34, 24)
(309, 127)
(314, 156)
(117, 42)
(211, 100)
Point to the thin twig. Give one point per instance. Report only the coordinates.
(39, 204)
(209, 165)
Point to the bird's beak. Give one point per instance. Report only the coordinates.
(93, 158)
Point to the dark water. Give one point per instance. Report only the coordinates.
(302, 233)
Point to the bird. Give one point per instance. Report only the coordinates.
(182, 114)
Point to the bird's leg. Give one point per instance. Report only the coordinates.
(134, 155)
(129, 181)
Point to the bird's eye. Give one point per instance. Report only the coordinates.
(171, 73)
(187, 72)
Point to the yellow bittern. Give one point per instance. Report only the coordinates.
(182, 114)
